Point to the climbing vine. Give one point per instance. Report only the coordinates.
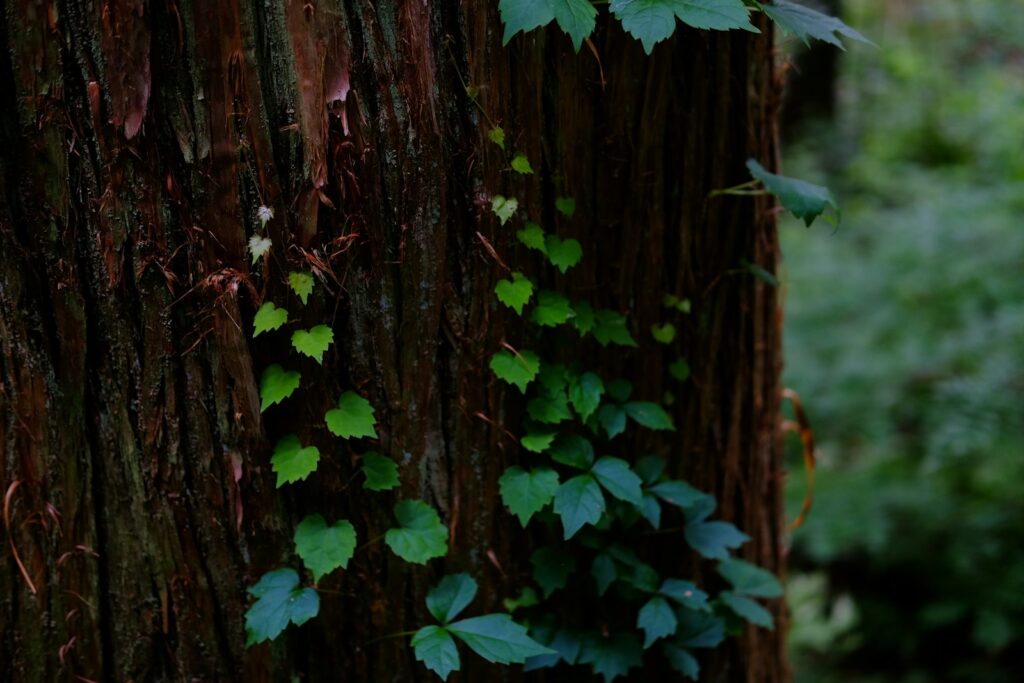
(596, 506)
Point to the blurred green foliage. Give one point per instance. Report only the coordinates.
(905, 339)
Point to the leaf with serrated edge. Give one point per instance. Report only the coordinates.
(352, 418)
(280, 601)
(749, 579)
(518, 369)
(277, 384)
(552, 309)
(435, 647)
(450, 596)
(572, 450)
(291, 461)
(324, 548)
(268, 318)
(520, 164)
(258, 246)
(497, 136)
(616, 477)
(585, 394)
(649, 415)
(301, 283)
(804, 22)
(579, 501)
(657, 620)
(537, 442)
(563, 254)
(804, 200)
(515, 293)
(552, 568)
(313, 342)
(420, 535)
(533, 237)
(713, 540)
(748, 609)
(504, 207)
(381, 473)
(612, 656)
(526, 493)
(497, 638)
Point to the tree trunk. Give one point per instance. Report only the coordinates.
(137, 140)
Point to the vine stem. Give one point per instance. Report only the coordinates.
(400, 634)
(369, 543)
(741, 189)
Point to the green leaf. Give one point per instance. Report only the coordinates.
(515, 293)
(524, 15)
(583, 321)
(537, 442)
(526, 493)
(699, 629)
(649, 415)
(565, 206)
(313, 342)
(324, 548)
(258, 246)
(449, 597)
(657, 620)
(517, 369)
(579, 501)
(682, 661)
(650, 468)
(533, 237)
(678, 493)
(685, 593)
(610, 328)
(552, 568)
(585, 394)
(652, 21)
(749, 579)
(572, 450)
(620, 389)
(268, 318)
(498, 639)
(520, 164)
(291, 461)
(650, 509)
(748, 609)
(616, 477)
(435, 647)
(550, 409)
(663, 334)
(575, 17)
(714, 539)
(527, 598)
(563, 254)
(352, 418)
(279, 602)
(679, 369)
(759, 272)
(497, 136)
(804, 200)
(604, 572)
(277, 384)
(612, 418)
(504, 207)
(804, 22)
(381, 473)
(420, 535)
(613, 656)
(301, 283)
(552, 309)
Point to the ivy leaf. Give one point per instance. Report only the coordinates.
(526, 493)
(649, 415)
(263, 215)
(515, 293)
(804, 200)
(682, 661)
(537, 442)
(804, 22)
(552, 309)
(268, 318)
(435, 647)
(291, 461)
(449, 597)
(719, 15)
(277, 384)
(524, 15)
(520, 164)
(650, 468)
(258, 246)
(549, 409)
(749, 579)
(699, 629)
(685, 593)
(420, 535)
(663, 334)
(613, 656)
(301, 283)
(279, 602)
(504, 207)
(613, 419)
(352, 418)
(604, 572)
(575, 17)
(583, 321)
(563, 254)
(620, 389)
(616, 477)
(585, 394)
(679, 369)
(760, 272)
(657, 620)
(579, 501)
(714, 539)
(552, 568)
(748, 609)
(517, 369)
(652, 21)
(381, 473)
(497, 136)
(572, 450)
(565, 206)
(610, 328)
(533, 237)
(678, 493)
(324, 548)
(527, 598)
(650, 509)
(313, 342)
(498, 639)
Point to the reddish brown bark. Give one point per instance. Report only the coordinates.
(137, 140)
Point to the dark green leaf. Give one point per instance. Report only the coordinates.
(533, 237)
(650, 509)
(277, 384)
(613, 656)
(804, 22)
(517, 369)
(538, 442)
(749, 579)
(352, 418)
(572, 450)
(280, 601)
(435, 647)
(551, 568)
(610, 328)
(579, 501)
(585, 394)
(604, 572)
(381, 473)
(527, 598)
(650, 468)
(498, 639)
(620, 389)
(449, 597)
(682, 661)
(650, 415)
(699, 629)
(526, 493)
(714, 539)
(616, 477)
(551, 408)
(657, 620)
(420, 535)
(324, 548)
(552, 309)
(685, 593)
(678, 493)
(802, 199)
(563, 254)
(679, 369)
(613, 418)
(748, 609)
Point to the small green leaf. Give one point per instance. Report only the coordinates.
(566, 206)
(381, 473)
(324, 548)
(526, 493)
(497, 136)
(549, 409)
(657, 620)
(613, 419)
(435, 647)
(804, 22)
(524, 15)
(537, 442)
(301, 283)
(515, 293)
(520, 164)
(616, 477)
(279, 602)
(527, 598)
(563, 254)
(268, 318)
(714, 539)
(497, 638)
(678, 493)
(682, 661)
(804, 200)
(663, 334)
(679, 369)
(533, 237)
(291, 461)
(699, 629)
(552, 568)
(748, 609)
(650, 468)
(277, 384)
(572, 450)
(604, 572)
(613, 656)
(610, 328)
(352, 418)
(420, 535)
(517, 369)
(258, 246)
(449, 597)
(583, 321)
(620, 389)
(504, 207)
(313, 342)
(552, 309)
(685, 593)
(579, 501)
(749, 579)
(649, 415)
(585, 394)
(650, 509)
(264, 214)
(759, 272)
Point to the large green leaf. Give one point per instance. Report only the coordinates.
(612, 656)
(420, 535)
(685, 593)
(803, 199)
(713, 540)
(575, 17)
(618, 479)
(435, 647)
(678, 493)
(526, 492)
(579, 501)
(549, 408)
(324, 548)
(610, 328)
(648, 414)
(515, 293)
(563, 254)
(585, 394)
(657, 620)
(749, 579)
(538, 441)
(552, 309)
(524, 15)
(497, 638)
(313, 342)
(652, 21)
(301, 283)
(517, 369)
(280, 601)
(533, 237)
(449, 597)
(291, 461)
(572, 450)
(804, 22)
(682, 661)
(748, 609)
(268, 318)
(381, 473)
(352, 418)
(552, 568)
(277, 384)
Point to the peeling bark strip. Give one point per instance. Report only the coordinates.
(137, 139)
